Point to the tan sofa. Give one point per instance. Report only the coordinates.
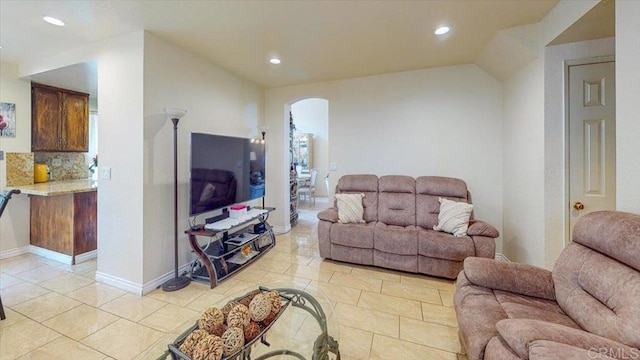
(400, 213)
(587, 308)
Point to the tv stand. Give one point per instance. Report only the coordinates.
(222, 256)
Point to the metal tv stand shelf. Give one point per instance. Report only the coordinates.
(221, 256)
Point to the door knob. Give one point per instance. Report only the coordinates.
(578, 205)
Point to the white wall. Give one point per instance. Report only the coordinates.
(14, 234)
(556, 202)
(312, 116)
(523, 236)
(628, 106)
(217, 102)
(444, 121)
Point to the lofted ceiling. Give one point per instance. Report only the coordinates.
(316, 40)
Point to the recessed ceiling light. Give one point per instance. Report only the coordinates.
(53, 21)
(275, 61)
(442, 30)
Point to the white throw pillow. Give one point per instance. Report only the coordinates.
(350, 208)
(453, 217)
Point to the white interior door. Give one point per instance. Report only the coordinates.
(592, 147)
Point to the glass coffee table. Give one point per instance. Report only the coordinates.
(305, 328)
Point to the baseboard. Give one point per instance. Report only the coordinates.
(157, 282)
(52, 255)
(282, 229)
(14, 252)
(119, 283)
(89, 255)
(501, 257)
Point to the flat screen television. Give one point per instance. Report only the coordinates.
(225, 170)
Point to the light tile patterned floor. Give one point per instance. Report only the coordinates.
(57, 311)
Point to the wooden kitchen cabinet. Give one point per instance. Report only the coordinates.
(60, 119)
(65, 223)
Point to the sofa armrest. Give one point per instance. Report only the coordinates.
(521, 334)
(330, 214)
(513, 277)
(481, 228)
(547, 350)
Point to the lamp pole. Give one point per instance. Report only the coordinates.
(178, 282)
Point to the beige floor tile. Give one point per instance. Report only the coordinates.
(462, 357)
(182, 297)
(368, 320)
(385, 348)
(23, 337)
(7, 280)
(19, 264)
(96, 294)
(46, 306)
(80, 322)
(123, 339)
(287, 257)
(357, 281)
(249, 274)
(430, 282)
(40, 274)
(89, 274)
(12, 317)
(429, 334)
(270, 279)
(271, 265)
(376, 273)
(412, 292)
(205, 301)
(438, 314)
(446, 297)
(330, 265)
(355, 343)
(391, 304)
(308, 272)
(66, 283)
(336, 293)
(155, 351)
(133, 307)
(20, 293)
(83, 267)
(63, 348)
(169, 317)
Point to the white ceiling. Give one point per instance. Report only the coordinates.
(316, 40)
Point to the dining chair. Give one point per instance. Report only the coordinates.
(310, 187)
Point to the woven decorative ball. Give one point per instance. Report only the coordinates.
(276, 305)
(260, 307)
(251, 331)
(238, 316)
(210, 347)
(247, 299)
(233, 340)
(269, 319)
(218, 330)
(191, 341)
(210, 319)
(227, 308)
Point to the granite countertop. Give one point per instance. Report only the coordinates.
(58, 187)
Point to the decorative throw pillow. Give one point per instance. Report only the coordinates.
(207, 192)
(350, 208)
(453, 217)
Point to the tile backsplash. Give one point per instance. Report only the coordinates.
(19, 169)
(71, 165)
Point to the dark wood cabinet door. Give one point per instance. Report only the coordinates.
(85, 222)
(74, 128)
(45, 123)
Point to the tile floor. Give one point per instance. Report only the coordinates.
(57, 311)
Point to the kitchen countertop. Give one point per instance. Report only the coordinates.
(58, 187)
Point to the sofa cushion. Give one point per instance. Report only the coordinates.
(394, 261)
(401, 240)
(355, 235)
(350, 208)
(441, 245)
(429, 189)
(366, 184)
(453, 217)
(397, 200)
(352, 254)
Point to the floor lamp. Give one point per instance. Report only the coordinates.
(178, 282)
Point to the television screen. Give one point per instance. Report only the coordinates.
(225, 170)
